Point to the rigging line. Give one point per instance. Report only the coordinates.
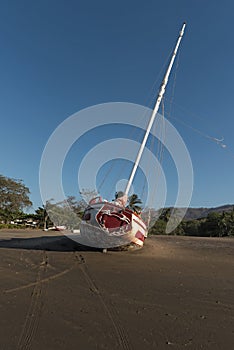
(150, 99)
(150, 102)
(134, 131)
(153, 93)
(160, 150)
(121, 169)
(154, 96)
(219, 141)
(152, 143)
(174, 83)
(124, 165)
(187, 111)
(160, 146)
(159, 153)
(162, 133)
(158, 142)
(106, 175)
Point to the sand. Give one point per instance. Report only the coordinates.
(175, 293)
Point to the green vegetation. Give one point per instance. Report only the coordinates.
(134, 203)
(214, 225)
(66, 213)
(14, 199)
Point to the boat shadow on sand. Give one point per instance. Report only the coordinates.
(47, 243)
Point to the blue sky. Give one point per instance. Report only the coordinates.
(58, 57)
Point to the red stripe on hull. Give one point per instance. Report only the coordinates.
(140, 236)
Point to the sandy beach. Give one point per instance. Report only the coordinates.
(175, 293)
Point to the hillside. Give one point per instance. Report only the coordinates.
(196, 213)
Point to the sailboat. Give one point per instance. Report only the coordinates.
(111, 224)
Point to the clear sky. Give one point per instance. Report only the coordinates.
(60, 56)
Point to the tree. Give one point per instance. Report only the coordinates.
(14, 198)
(160, 225)
(78, 207)
(211, 226)
(88, 194)
(42, 217)
(159, 228)
(192, 227)
(226, 224)
(165, 214)
(133, 203)
(67, 212)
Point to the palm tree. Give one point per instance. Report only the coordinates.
(42, 216)
(133, 203)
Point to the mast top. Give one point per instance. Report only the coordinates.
(183, 28)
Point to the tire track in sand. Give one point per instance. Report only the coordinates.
(35, 309)
(110, 310)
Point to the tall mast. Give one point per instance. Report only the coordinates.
(155, 111)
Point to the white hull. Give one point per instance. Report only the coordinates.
(93, 233)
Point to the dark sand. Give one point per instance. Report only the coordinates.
(175, 293)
